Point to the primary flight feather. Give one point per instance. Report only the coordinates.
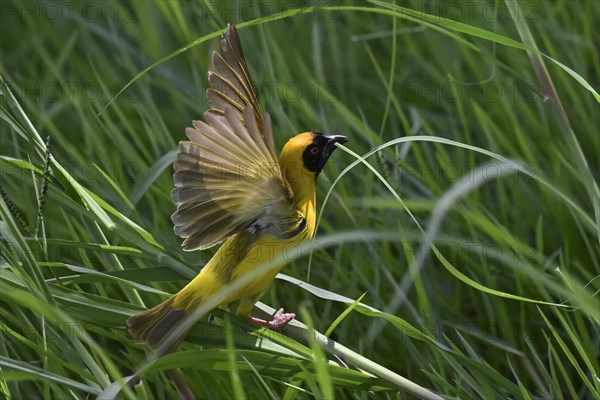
(230, 187)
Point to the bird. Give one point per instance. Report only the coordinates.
(231, 188)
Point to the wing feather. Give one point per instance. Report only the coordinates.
(227, 177)
(268, 138)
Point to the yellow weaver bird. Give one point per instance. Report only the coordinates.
(230, 186)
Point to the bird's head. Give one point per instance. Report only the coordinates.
(307, 153)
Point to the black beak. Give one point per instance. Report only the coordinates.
(331, 141)
(336, 139)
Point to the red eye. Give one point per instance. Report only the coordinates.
(314, 151)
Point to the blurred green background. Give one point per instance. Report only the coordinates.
(521, 220)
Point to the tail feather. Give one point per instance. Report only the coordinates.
(153, 325)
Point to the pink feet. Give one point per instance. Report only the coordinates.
(279, 319)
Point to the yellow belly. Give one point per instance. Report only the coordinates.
(235, 259)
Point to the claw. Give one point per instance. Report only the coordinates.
(279, 320)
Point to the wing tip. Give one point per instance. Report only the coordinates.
(192, 243)
(231, 30)
(230, 42)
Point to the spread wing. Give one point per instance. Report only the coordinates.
(227, 177)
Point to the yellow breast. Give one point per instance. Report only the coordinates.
(235, 259)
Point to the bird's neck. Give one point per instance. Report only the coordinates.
(303, 184)
(305, 199)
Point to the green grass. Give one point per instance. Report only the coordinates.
(457, 253)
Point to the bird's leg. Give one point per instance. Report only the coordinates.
(279, 319)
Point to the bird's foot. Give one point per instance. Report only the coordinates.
(279, 319)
